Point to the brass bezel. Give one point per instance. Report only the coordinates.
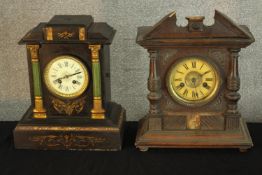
(201, 102)
(60, 94)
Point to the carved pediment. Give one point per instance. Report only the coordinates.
(223, 31)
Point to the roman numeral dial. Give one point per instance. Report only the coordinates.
(66, 76)
(192, 80)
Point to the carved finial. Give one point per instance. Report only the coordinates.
(195, 23)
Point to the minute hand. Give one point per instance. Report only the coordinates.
(67, 76)
(205, 73)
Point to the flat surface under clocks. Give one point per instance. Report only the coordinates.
(130, 161)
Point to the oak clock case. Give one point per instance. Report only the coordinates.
(69, 72)
(193, 84)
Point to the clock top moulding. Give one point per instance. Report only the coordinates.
(165, 34)
(224, 32)
(95, 32)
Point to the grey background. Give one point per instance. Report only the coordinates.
(129, 62)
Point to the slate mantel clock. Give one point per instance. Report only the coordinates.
(69, 73)
(193, 83)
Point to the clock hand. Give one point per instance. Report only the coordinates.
(67, 76)
(205, 73)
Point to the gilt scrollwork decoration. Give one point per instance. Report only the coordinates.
(68, 107)
(65, 35)
(67, 140)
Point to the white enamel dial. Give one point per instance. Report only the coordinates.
(66, 76)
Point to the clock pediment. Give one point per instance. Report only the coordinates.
(70, 29)
(223, 31)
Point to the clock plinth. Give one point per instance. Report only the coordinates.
(46, 134)
(193, 84)
(153, 138)
(69, 73)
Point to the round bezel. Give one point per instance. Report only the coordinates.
(53, 90)
(186, 102)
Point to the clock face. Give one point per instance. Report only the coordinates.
(65, 76)
(193, 80)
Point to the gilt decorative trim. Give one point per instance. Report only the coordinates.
(82, 33)
(67, 140)
(68, 108)
(49, 33)
(65, 35)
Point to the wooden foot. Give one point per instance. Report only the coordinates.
(243, 150)
(143, 149)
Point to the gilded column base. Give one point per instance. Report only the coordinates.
(39, 111)
(97, 112)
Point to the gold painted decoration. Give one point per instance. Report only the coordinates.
(68, 108)
(49, 33)
(82, 33)
(67, 140)
(65, 35)
(193, 121)
(193, 81)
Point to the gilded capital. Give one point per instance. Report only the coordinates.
(33, 49)
(95, 52)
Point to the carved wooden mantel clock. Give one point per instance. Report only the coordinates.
(193, 84)
(69, 73)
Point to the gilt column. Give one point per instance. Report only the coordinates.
(39, 110)
(97, 111)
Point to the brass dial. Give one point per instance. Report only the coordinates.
(66, 76)
(193, 80)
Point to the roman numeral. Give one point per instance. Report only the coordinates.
(179, 72)
(209, 79)
(185, 92)
(77, 70)
(194, 95)
(178, 79)
(202, 66)
(66, 64)
(202, 93)
(185, 66)
(60, 86)
(193, 64)
(60, 65)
